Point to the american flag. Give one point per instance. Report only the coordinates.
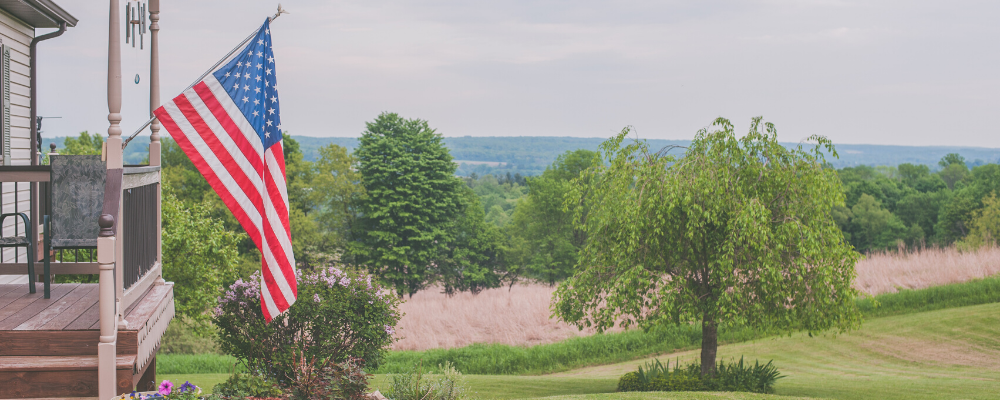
(229, 124)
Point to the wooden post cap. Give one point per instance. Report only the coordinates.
(106, 222)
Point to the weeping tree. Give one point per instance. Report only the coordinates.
(737, 231)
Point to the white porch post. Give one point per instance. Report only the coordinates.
(154, 80)
(107, 248)
(154, 128)
(106, 357)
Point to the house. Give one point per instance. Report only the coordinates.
(76, 340)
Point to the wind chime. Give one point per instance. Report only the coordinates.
(135, 25)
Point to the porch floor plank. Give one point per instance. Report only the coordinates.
(86, 319)
(31, 305)
(4, 289)
(10, 296)
(79, 293)
(71, 313)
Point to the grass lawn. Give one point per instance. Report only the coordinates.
(952, 353)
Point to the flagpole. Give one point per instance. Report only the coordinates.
(231, 52)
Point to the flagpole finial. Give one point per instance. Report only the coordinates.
(280, 11)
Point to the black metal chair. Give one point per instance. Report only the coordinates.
(24, 241)
(76, 197)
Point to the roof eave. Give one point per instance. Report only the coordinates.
(38, 13)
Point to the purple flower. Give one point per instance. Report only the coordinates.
(389, 330)
(316, 298)
(165, 388)
(187, 386)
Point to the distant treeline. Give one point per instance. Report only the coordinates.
(530, 155)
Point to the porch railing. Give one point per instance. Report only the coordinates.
(139, 233)
(139, 238)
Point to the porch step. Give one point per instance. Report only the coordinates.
(23, 377)
(49, 343)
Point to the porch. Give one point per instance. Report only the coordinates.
(48, 347)
(63, 344)
(90, 216)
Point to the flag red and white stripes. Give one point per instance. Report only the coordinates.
(232, 135)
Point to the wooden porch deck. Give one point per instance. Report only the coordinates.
(48, 347)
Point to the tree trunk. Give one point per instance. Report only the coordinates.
(709, 346)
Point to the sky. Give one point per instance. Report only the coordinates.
(912, 72)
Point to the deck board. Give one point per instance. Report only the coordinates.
(72, 306)
(31, 305)
(72, 312)
(10, 296)
(88, 318)
(4, 289)
(53, 310)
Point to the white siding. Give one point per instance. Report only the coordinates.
(17, 35)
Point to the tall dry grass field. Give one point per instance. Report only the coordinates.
(887, 271)
(520, 316)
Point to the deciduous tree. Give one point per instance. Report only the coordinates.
(413, 197)
(336, 194)
(199, 255)
(544, 241)
(84, 144)
(738, 230)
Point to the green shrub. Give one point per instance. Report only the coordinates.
(631, 382)
(676, 382)
(743, 377)
(242, 385)
(657, 377)
(413, 386)
(340, 313)
(654, 370)
(733, 377)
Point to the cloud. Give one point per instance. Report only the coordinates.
(895, 72)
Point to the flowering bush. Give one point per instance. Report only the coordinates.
(340, 313)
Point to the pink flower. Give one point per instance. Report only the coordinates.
(165, 388)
